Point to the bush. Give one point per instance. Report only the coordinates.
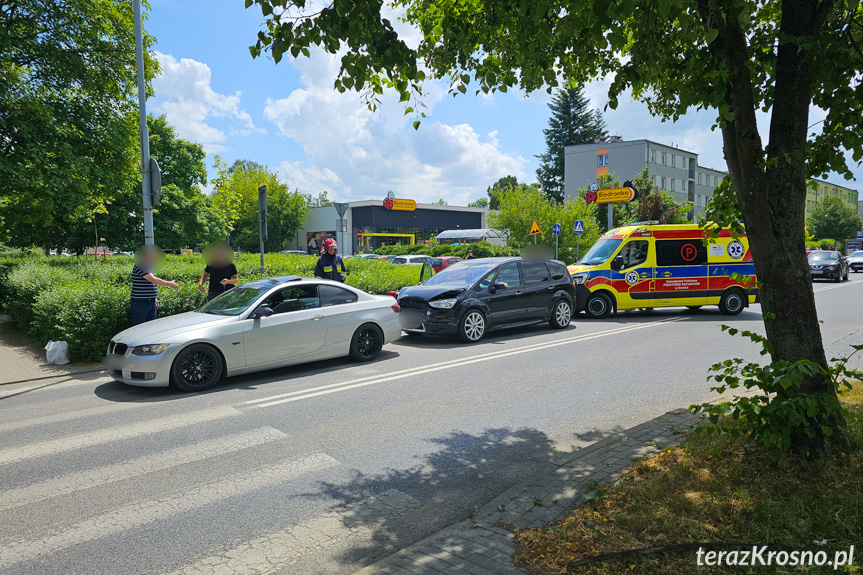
(84, 314)
(827, 244)
(480, 250)
(86, 302)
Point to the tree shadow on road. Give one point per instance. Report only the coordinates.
(396, 508)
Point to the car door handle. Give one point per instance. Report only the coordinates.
(316, 318)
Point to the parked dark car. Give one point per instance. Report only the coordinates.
(828, 264)
(473, 297)
(855, 261)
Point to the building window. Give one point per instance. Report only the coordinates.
(663, 158)
(653, 156)
(699, 178)
(683, 162)
(663, 182)
(672, 184)
(602, 160)
(673, 161)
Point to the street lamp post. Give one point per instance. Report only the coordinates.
(142, 128)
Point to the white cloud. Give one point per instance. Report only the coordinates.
(184, 95)
(357, 154)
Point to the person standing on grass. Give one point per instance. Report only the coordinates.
(329, 263)
(145, 291)
(220, 270)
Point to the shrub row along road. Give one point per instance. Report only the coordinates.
(326, 467)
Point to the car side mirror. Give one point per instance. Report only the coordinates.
(617, 263)
(499, 285)
(262, 311)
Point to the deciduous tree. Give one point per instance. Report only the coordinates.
(737, 57)
(832, 218)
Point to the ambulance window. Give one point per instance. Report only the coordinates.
(635, 253)
(680, 253)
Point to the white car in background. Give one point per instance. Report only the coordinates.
(264, 324)
(405, 260)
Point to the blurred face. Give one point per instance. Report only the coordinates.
(149, 255)
(218, 254)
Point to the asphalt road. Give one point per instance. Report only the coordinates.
(326, 467)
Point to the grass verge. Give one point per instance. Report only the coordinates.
(712, 488)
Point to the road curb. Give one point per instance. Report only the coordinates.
(480, 546)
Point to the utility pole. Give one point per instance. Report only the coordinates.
(144, 134)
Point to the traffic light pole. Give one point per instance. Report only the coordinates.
(142, 128)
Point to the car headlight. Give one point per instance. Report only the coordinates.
(831, 266)
(580, 278)
(446, 303)
(151, 349)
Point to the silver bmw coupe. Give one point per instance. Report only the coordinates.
(264, 324)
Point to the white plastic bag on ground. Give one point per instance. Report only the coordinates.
(57, 352)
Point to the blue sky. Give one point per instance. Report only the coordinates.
(288, 117)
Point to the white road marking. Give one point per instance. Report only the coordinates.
(119, 520)
(108, 434)
(837, 286)
(274, 552)
(66, 484)
(68, 416)
(365, 381)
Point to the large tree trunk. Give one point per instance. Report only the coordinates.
(773, 196)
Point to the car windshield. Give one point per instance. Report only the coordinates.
(823, 256)
(435, 262)
(233, 302)
(459, 275)
(857, 254)
(600, 252)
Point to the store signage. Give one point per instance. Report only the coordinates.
(400, 205)
(612, 195)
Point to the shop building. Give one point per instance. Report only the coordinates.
(370, 224)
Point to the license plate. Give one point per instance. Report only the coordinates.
(816, 272)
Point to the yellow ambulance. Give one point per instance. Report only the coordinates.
(650, 265)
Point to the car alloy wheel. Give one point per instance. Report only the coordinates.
(367, 342)
(562, 315)
(473, 326)
(197, 368)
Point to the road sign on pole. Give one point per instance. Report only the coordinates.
(860, 235)
(262, 220)
(579, 227)
(556, 229)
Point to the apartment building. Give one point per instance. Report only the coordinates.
(817, 190)
(674, 170)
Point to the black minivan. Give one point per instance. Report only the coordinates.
(473, 297)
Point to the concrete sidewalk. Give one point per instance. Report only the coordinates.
(22, 360)
(484, 544)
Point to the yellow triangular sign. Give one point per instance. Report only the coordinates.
(534, 229)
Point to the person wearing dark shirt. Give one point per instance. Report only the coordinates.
(329, 263)
(220, 270)
(145, 291)
(470, 255)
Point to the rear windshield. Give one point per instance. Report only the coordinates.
(436, 262)
(400, 260)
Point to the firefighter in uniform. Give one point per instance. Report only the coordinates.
(329, 263)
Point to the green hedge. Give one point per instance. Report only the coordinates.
(87, 302)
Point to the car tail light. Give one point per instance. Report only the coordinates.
(396, 308)
(394, 293)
